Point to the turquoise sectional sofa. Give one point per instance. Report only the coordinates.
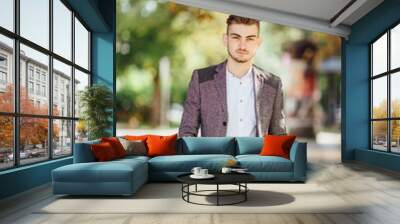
(125, 176)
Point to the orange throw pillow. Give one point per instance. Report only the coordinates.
(277, 145)
(161, 145)
(116, 145)
(136, 138)
(103, 151)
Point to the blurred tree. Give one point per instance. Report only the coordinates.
(148, 30)
(380, 111)
(395, 123)
(380, 127)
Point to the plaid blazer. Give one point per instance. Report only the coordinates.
(205, 106)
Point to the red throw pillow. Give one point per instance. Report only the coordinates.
(277, 145)
(161, 145)
(116, 145)
(103, 151)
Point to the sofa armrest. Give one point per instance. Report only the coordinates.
(298, 155)
(83, 152)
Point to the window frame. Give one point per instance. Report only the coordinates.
(388, 74)
(16, 114)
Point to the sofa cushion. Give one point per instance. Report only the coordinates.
(249, 145)
(133, 158)
(257, 163)
(111, 171)
(185, 163)
(206, 145)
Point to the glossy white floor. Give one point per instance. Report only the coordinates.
(377, 188)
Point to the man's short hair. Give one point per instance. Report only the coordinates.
(233, 19)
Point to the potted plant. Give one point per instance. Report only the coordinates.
(96, 102)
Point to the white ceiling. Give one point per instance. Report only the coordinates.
(321, 9)
(314, 15)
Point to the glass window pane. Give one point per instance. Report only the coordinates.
(6, 74)
(81, 131)
(35, 21)
(34, 97)
(33, 140)
(395, 94)
(379, 55)
(395, 136)
(379, 97)
(379, 135)
(81, 45)
(62, 29)
(81, 81)
(7, 14)
(395, 47)
(62, 89)
(62, 138)
(6, 142)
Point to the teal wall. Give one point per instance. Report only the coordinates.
(99, 15)
(355, 85)
(103, 66)
(24, 178)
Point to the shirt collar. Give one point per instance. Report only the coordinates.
(245, 77)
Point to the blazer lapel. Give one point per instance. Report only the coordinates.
(258, 85)
(264, 99)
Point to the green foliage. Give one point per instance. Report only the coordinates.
(97, 103)
(149, 30)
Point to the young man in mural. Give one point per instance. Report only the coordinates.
(235, 97)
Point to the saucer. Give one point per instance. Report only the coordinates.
(240, 171)
(208, 176)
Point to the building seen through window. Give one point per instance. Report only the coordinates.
(41, 104)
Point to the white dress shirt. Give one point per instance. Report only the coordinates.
(241, 105)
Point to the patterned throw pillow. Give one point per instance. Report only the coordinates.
(134, 147)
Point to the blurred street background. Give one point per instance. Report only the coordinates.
(160, 43)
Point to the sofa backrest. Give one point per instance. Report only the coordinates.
(249, 145)
(83, 152)
(206, 145)
(190, 146)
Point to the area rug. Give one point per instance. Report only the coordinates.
(166, 198)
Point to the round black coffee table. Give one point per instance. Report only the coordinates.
(238, 179)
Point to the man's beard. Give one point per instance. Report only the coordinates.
(238, 60)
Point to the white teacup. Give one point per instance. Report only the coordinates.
(196, 170)
(226, 170)
(203, 172)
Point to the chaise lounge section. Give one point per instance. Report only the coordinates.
(88, 177)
